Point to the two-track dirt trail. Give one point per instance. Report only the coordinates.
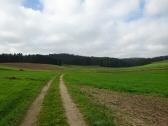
(73, 114)
(33, 111)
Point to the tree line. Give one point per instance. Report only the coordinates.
(69, 59)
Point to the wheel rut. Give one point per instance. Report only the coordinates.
(72, 113)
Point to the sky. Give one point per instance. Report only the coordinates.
(112, 28)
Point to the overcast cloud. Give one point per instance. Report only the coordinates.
(114, 28)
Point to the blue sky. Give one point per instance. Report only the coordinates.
(138, 13)
(34, 4)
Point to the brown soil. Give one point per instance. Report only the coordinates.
(73, 114)
(32, 66)
(131, 109)
(33, 111)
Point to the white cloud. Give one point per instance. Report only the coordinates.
(156, 7)
(85, 27)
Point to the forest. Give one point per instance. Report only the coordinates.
(70, 59)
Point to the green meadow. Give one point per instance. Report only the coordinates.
(19, 87)
(148, 79)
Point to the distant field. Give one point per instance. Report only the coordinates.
(32, 66)
(151, 78)
(17, 90)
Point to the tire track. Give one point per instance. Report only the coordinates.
(73, 114)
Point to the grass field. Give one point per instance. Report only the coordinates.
(149, 79)
(17, 91)
(19, 85)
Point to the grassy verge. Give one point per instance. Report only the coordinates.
(52, 113)
(17, 91)
(94, 113)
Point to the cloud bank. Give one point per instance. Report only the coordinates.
(114, 28)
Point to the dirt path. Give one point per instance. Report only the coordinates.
(72, 112)
(33, 111)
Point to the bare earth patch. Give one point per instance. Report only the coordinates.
(131, 109)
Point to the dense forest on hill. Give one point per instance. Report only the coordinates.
(69, 59)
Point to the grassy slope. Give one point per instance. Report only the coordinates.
(52, 113)
(151, 78)
(17, 91)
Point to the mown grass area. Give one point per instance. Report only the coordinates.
(52, 113)
(149, 79)
(17, 91)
